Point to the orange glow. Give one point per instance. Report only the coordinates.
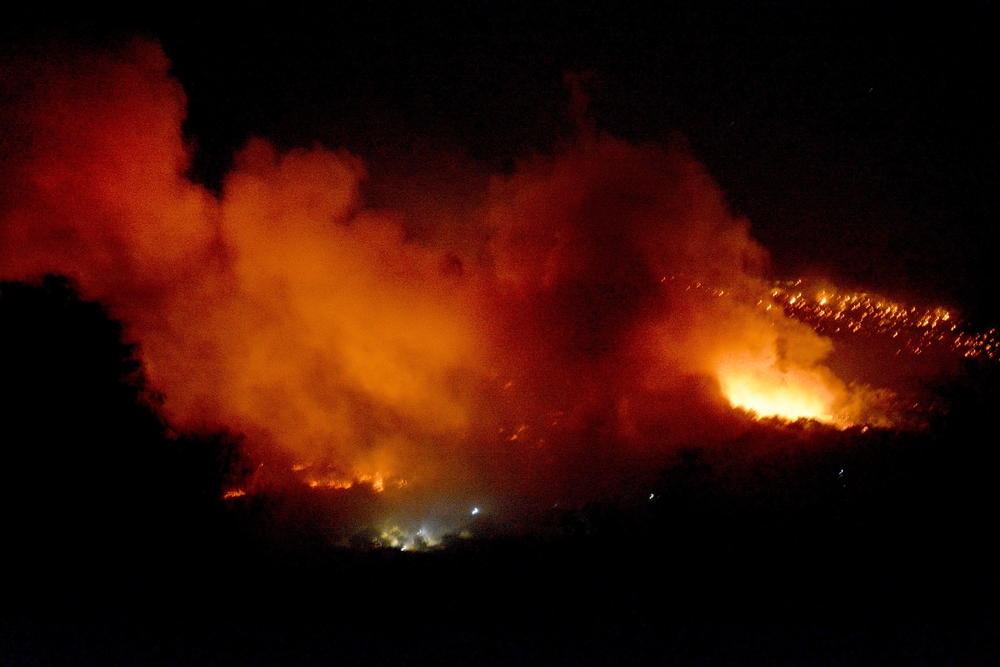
(570, 306)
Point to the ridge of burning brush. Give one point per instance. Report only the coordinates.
(917, 329)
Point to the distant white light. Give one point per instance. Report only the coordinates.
(475, 510)
(652, 495)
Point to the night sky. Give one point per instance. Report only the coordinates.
(861, 142)
(862, 145)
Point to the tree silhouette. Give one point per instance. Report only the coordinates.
(89, 482)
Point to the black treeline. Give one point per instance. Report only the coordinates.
(92, 490)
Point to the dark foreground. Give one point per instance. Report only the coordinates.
(788, 562)
(796, 591)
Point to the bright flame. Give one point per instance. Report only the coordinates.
(757, 384)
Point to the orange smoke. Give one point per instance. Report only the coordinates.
(594, 307)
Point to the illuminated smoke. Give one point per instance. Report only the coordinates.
(593, 310)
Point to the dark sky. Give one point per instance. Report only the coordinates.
(862, 143)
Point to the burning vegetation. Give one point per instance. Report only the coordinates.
(549, 336)
(914, 330)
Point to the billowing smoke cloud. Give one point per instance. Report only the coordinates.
(556, 328)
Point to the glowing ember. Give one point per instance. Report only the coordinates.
(914, 329)
(315, 477)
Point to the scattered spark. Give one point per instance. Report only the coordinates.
(916, 330)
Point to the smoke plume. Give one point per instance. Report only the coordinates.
(549, 332)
